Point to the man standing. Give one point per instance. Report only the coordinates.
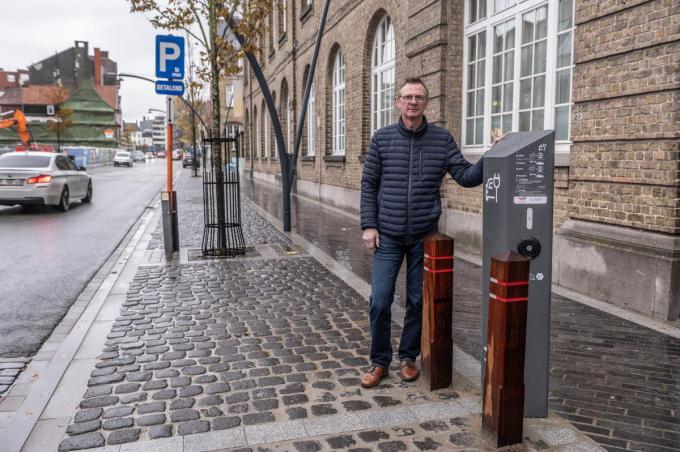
(400, 205)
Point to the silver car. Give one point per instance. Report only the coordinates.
(42, 178)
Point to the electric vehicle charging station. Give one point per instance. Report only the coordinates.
(518, 216)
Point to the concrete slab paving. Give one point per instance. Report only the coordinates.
(66, 397)
(279, 431)
(111, 308)
(94, 341)
(173, 444)
(333, 424)
(46, 431)
(11, 403)
(211, 440)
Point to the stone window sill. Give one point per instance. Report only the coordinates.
(334, 160)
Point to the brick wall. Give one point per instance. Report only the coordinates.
(625, 159)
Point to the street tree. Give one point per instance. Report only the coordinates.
(206, 21)
(62, 121)
(185, 115)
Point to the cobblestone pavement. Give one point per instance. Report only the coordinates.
(614, 380)
(190, 218)
(203, 347)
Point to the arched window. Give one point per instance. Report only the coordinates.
(382, 75)
(287, 116)
(273, 147)
(256, 138)
(339, 105)
(265, 131)
(311, 122)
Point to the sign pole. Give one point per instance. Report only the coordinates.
(168, 153)
(170, 66)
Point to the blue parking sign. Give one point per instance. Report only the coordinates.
(169, 57)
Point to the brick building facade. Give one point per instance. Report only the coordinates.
(603, 74)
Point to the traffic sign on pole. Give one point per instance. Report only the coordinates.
(169, 57)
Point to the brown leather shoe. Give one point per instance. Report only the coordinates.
(409, 371)
(373, 377)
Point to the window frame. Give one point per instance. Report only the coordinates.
(378, 70)
(311, 123)
(338, 94)
(562, 147)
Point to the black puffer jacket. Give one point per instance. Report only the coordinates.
(402, 175)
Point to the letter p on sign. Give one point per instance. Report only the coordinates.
(169, 57)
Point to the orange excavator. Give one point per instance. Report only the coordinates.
(17, 120)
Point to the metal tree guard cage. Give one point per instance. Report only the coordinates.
(222, 237)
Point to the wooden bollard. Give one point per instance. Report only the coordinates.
(436, 341)
(503, 399)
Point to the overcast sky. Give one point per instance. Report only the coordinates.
(31, 30)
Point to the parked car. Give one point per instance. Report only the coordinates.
(160, 154)
(139, 156)
(42, 178)
(188, 160)
(123, 158)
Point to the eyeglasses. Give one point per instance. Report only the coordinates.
(417, 99)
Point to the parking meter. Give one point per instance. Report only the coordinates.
(518, 216)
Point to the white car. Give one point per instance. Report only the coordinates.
(42, 178)
(123, 158)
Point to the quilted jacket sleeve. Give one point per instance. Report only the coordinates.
(370, 186)
(462, 171)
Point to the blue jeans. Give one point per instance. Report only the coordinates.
(387, 260)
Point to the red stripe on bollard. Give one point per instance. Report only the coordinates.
(508, 300)
(444, 270)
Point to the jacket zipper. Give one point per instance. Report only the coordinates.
(420, 163)
(408, 196)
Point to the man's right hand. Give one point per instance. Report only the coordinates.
(371, 238)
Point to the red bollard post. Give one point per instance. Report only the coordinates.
(436, 341)
(503, 399)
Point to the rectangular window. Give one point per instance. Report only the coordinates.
(533, 57)
(477, 10)
(500, 5)
(503, 74)
(284, 18)
(474, 93)
(311, 123)
(529, 70)
(565, 25)
(265, 150)
(230, 96)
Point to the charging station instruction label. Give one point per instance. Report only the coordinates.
(530, 173)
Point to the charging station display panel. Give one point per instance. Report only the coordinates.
(518, 200)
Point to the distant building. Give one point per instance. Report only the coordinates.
(93, 77)
(159, 136)
(13, 79)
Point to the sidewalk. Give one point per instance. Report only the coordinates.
(261, 352)
(616, 381)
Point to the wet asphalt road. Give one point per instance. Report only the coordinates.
(48, 257)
